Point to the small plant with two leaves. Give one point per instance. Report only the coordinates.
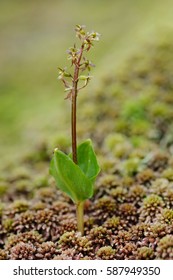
(75, 173)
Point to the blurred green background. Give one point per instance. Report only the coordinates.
(34, 36)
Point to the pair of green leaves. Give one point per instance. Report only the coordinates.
(76, 180)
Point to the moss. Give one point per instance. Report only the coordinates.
(136, 193)
(45, 251)
(151, 207)
(145, 176)
(130, 215)
(73, 240)
(3, 188)
(168, 174)
(106, 253)
(60, 207)
(128, 212)
(157, 230)
(118, 145)
(168, 198)
(19, 206)
(3, 255)
(164, 249)
(113, 139)
(138, 231)
(157, 161)
(32, 237)
(40, 182)
(123, 237)
(152, 201)
(127, 181)
(23, 251)
(23, 186)
(108, 180)
(8, 224)
(122, 150)
(145, 253)
(107, 164)
(38, 206)
(131, 166)
(46, 194)
(112, 223)
(19, 173)
(133, 110)
(106, 203)
(167, 215)
(67, 239)
(100, 236)
(119, 193)
(61, 141)
(140, 127)
(160, 110)
(1, 209)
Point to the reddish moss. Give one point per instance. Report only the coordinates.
(145, 176)
(3, 255)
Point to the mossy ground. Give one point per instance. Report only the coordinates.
(129, 119)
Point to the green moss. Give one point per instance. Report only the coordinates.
(145, 253)
(119, 193)
(99, 234)
(107, 164)
(167, 215)
(3, 255)
(23, 186)
(20, 172)
(112, 223)
(38, 206)
(106, 203)
(161, 110)
(20, 206)
(40, 181)
(131, 166)
(164, 249)
(1, 209)
(67, 239)
(168, 174)
(3, 188)
(158, 229)
(61, 141)
(146, 176)
(8, 224)
(133, 110)
(106, 253)
(153, 200)
(140, 127)
(113, 139)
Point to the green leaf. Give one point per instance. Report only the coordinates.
(70, 178)
(87, 160)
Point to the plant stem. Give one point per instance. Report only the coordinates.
(74, 105)
(79, 205)
(80, 218)
(73, 127)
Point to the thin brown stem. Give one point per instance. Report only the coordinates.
(74, 106)
(73, 127)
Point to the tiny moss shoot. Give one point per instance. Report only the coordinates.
(75, 173)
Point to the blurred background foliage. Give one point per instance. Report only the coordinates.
(34, 36)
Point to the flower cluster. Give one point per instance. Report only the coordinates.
(79, 61)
